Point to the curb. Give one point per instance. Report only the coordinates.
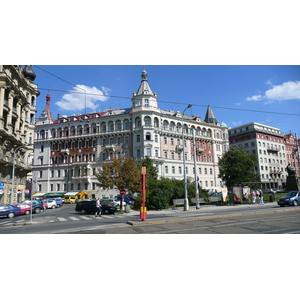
(135, 223)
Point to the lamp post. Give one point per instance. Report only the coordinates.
(186, 201)
(13, 172)
(195, 168)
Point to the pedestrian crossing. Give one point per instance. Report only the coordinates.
(14, 221)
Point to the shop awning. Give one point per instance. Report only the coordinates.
(71, 193)
(38, 195)
(54, 194)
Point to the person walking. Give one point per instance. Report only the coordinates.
(98, 207)
(253, 195)
(261, 197)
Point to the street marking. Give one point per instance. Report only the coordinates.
(85, 218)
(74, 218)
(62, 219)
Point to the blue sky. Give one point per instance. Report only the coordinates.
(238, 94)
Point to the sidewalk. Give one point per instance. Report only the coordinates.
(205, 211)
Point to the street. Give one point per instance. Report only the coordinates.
(239, 219)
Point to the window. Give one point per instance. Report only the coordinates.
(148, 136)
(156, 153)
(41, 174)
(173, 170)
(166, 154)
(138, 138)
(58, 187)
(166, 170)
(148, 151)
(138, 153)
(180, 170)
(58, 173)
(146, 103)
(165, 141)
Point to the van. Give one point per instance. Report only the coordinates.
(73, 197)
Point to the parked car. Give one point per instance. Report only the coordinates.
(291, 198)
(89, 206)
(110, 201)
(45, 204)
(37, 205)
(59, 201)
(25, 208)
(51, 203)
(127, 199)
(9, 211)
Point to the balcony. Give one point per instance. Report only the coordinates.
(273, 148)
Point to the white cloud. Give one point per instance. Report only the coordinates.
(289, 90)
(255, 98)
(82, 97)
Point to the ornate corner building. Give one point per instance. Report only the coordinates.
(69, 150)
(18, 96)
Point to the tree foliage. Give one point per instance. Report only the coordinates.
(120, 173)
(236, 166)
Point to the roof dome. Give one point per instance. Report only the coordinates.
(29, 73)
(223, 124)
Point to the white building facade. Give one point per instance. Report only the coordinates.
(69, 150)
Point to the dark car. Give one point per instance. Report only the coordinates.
(9, 211)
(37, 205)
(89, 206)
(291, 198)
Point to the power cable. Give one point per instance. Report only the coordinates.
(180, 103)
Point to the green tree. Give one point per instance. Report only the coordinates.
(122, 174)
(236, 166)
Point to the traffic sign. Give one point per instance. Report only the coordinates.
(122, 192)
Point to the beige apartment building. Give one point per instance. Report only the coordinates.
(18, 96)
(268, 144)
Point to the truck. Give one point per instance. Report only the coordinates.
(74, 197)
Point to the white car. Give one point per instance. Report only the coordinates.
(51, 203)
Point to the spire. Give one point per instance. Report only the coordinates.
(47, 110)
(210, 118)
(144, 86)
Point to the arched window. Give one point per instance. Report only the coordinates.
(148, 136)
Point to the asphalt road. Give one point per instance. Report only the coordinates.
(245, 219)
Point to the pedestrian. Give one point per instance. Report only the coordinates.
(253, 195)
(261, 197)
(257, 195)
(98, 208)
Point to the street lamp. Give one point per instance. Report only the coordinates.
(13, 172)
(186, 201)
